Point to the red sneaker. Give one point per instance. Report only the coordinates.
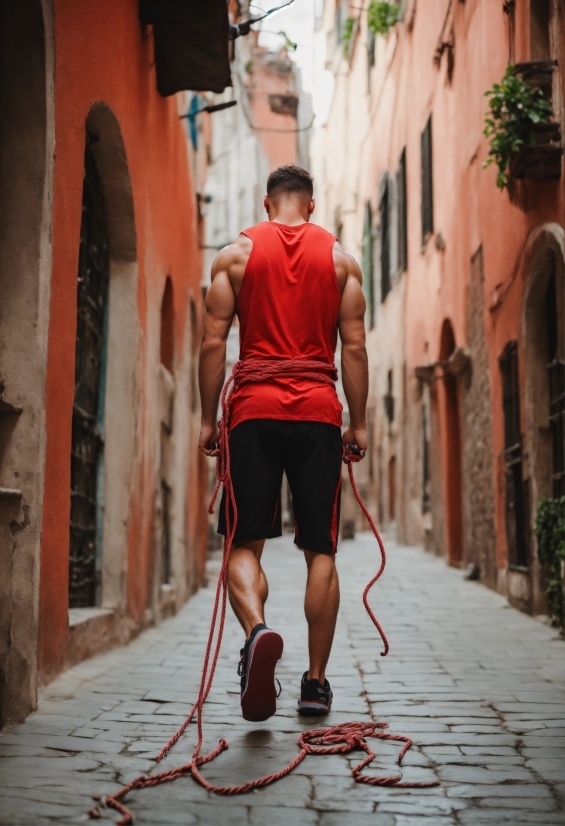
(259, 657)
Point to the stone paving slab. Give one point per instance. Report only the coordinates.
(479, 687)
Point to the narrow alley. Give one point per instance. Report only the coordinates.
(338, 227)
(478, 686)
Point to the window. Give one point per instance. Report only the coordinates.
(516, 489)
(194, 356)
(368, 276)
(427, 182)
(426, 477)
(540, 16)
(509, 9)
(389, 398)
(341, 15)
(371, 39)
(392, 488)
(167, 327)
(556, 377)
(402, 213)
(384, 209)
(87, 451)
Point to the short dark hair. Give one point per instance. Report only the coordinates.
(290, 178)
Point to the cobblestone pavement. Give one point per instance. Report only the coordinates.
(479, 686)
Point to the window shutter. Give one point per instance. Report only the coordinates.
(517, 490)
(368, 264)
(427, 182)
(385, 240)
(402, 213)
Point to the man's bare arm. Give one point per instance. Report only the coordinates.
(354, 363)
(220, 310)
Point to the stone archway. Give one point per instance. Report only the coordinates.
(26, 152)
(450, 429)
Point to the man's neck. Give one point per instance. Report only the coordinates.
(289, 220)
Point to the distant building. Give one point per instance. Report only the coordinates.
(270, 126)
(103, 528)
(464, 282)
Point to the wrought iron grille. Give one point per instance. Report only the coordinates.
(87, 433)
(516, 488)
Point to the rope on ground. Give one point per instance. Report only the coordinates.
(340, 739)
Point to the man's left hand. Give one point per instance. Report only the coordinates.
(208, 441)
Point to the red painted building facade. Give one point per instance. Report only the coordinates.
(103, 525)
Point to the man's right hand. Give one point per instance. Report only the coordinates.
(355, 436)
(208, 441)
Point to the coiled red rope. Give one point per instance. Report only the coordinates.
(340, 739)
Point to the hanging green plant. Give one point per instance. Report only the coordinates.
(382, 16)
(347, 35)
(516, 109)
(550, 533)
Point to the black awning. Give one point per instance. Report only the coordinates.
(191, 44)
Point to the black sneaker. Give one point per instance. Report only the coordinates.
(315, 698)
(259, 657)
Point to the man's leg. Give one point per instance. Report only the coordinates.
(321, 604)
(247, 584)
(248, 591)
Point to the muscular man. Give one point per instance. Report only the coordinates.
(293, 288)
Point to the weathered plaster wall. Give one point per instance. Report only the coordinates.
(26, 155)
(104, 55)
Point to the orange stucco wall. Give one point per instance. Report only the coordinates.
(102, 53)
(469, 210)
(381, 103)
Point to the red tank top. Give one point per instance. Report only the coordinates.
(288, 308)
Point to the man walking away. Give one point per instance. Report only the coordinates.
(293, 289)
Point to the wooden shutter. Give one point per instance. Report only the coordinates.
(385, 241)
(402, 213)
(427, 182)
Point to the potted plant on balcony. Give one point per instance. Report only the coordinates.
(524, 141)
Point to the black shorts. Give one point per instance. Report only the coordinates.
(310, 455)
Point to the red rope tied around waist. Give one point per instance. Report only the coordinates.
(339, 739)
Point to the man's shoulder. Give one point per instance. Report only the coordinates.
(233, 257)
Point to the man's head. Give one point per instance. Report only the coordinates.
(289, 190)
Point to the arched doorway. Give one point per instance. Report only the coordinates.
(544, 377)
(106, 386)
(450, 424)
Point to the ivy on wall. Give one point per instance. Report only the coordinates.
(382, 16)
(550, 533)
(348, 27)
